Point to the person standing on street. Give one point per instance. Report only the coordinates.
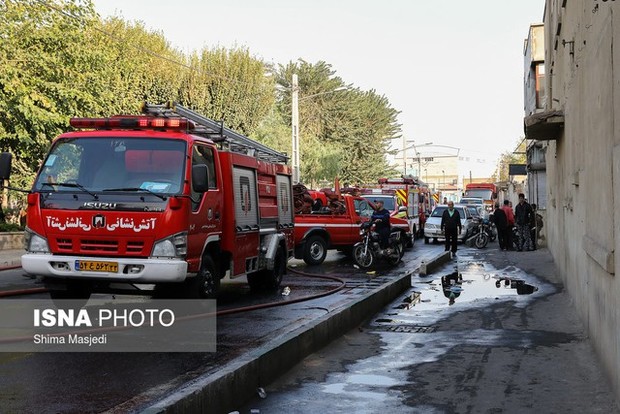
(451, 225)
(535, 226)
(501, 223)
(523, 218)
(510, 217)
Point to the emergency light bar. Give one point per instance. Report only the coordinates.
(144, 122)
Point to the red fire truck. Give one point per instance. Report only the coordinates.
(402, 196)
(336, 227)
(168, 198)
(486, 191)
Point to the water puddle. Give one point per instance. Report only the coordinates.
(470, 284)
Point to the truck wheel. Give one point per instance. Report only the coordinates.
(73, 291)
(426, 240)
(395, 257)
(78, 294)
(269, 279)
(315, 250)
(206, 283)
(405, 242)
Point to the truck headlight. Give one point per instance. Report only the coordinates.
(33, 243)
(173, 246)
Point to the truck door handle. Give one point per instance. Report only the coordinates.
(217, 215)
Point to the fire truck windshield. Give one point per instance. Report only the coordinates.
(99, 164)
(389, 202)
(479, 193)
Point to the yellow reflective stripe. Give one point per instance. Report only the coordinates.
(402, 196)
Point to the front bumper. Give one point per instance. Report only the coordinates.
(142, 270)
(436, 233)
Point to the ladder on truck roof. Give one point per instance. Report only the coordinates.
(217, 132)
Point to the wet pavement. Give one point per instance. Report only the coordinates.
(491, 332)
(96, 382)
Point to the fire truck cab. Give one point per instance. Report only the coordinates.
(169, 198)
(402, 197)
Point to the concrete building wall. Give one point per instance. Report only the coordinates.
(534, 52)
(583, 164)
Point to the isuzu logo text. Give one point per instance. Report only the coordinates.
(99, 205)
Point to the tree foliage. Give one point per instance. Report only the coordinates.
(517, 156)
(59, 59)
(344, 131)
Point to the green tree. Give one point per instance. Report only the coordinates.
(342, 132)
(517, 156)
(45, 61)
(229, 85)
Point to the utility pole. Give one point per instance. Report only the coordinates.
(295, 129)
(404, 156)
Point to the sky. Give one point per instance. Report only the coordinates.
(453, 68)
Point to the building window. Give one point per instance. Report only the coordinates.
(540, 86)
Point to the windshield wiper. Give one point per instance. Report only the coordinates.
(73, 185)
(137, 189)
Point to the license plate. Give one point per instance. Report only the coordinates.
(96, 266)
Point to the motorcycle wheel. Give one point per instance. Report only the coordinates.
(395, 257)
(482, 239)
(363, 260)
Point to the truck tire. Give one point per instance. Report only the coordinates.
(75, 296)
(315, 250)
(206, 283)
(74, 290)
(269, 279)
(394, 258)
(274, 277)
(426, 240)
(406, 241)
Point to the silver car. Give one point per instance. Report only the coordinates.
(432, 227)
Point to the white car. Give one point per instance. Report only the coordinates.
(432, 227)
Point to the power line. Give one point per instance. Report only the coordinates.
(138, 47)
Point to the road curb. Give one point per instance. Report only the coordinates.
(427, 267)
(226, 389)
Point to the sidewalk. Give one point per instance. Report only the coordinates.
(11, 259)
(487, 352)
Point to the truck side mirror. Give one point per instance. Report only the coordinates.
(5, 165)
(200, 178)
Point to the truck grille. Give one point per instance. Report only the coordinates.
(107, 247)
(135, 247)
(65, 245)
(99, 246)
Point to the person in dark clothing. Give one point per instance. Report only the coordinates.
(381, 217)
(523, 214)
(536, 224)
(501, 223)
(451, 225)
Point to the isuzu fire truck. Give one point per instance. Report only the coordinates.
(169, 198)
(401, 196)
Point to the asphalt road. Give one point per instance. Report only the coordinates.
(96, 382)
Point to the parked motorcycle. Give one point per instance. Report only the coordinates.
(480, 233)
(368, 251)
